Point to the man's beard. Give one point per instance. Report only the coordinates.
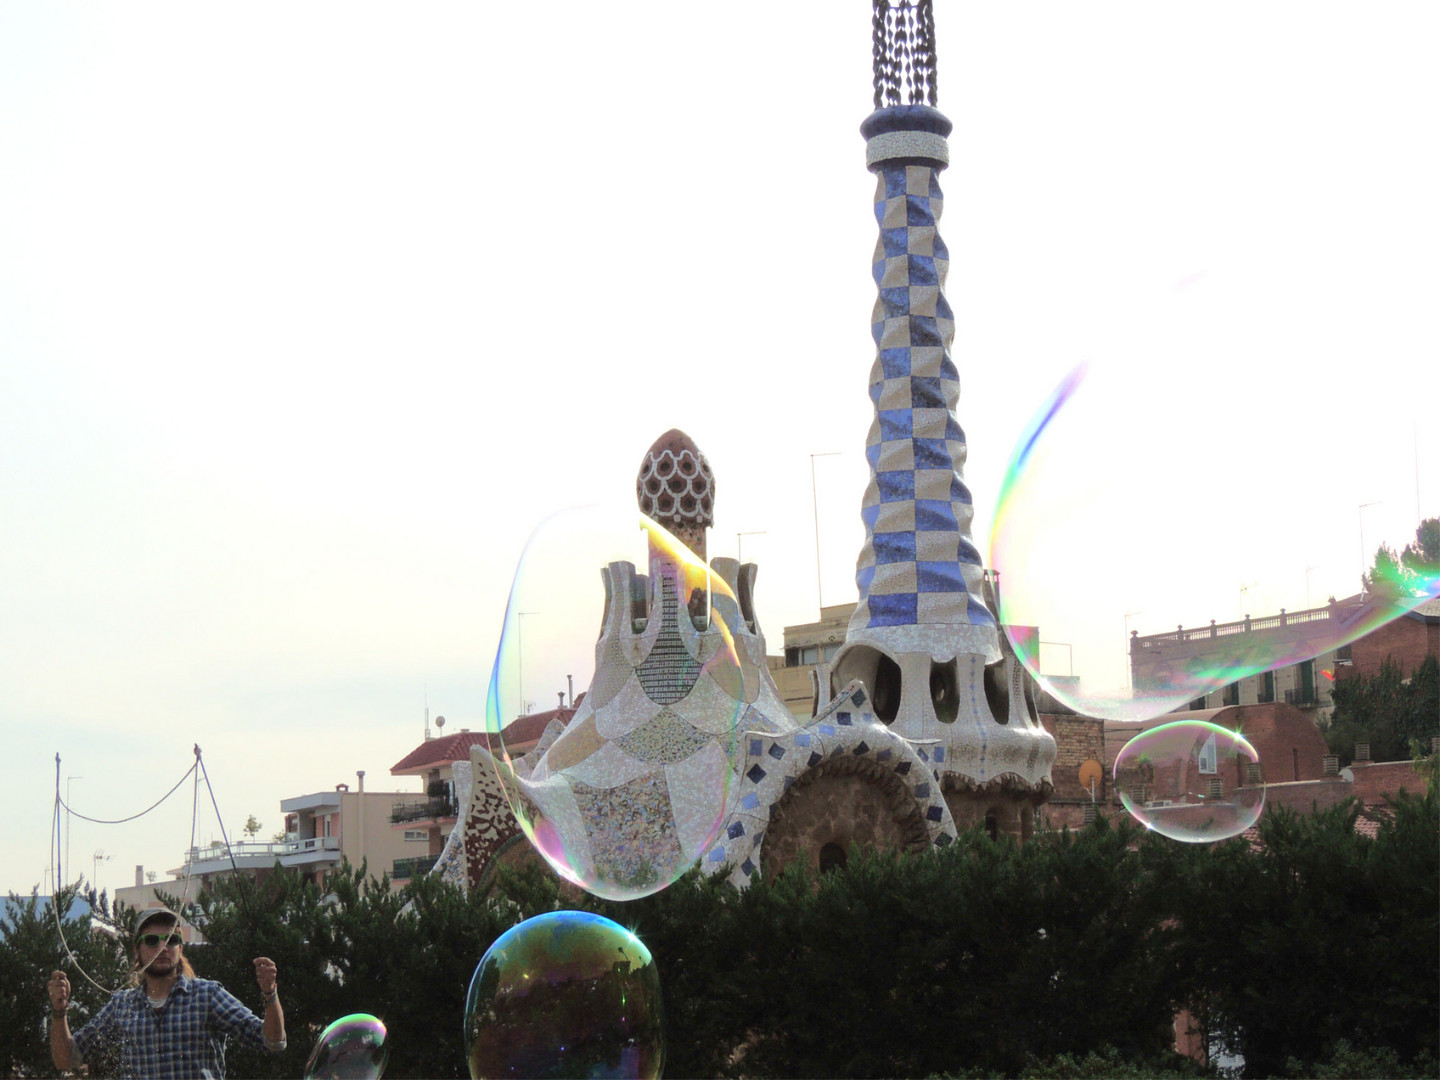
(161, 966)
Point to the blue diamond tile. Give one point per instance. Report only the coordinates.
(735, 831)
(922, 791)
(802, 738)
(756, 774)
(751, 801)
(933, 813)
(815, 759)
(747, 868)
(903, 768)
(860, 748)
(754, 747)
(777, 751)
(885, 755)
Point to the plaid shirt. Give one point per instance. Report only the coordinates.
(183, 1039)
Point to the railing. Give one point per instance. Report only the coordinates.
(429, 810)
(1241, 626)
(271, 851)
(1301, 696)
(408, 868)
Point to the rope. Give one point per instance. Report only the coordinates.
(132, 817)
(198, 770)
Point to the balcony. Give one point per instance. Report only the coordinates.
(217, 857)
(437, 809)
(1302, 697)
(405, 869)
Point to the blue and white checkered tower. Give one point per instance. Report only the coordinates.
(923, 639)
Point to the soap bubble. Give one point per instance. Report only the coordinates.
(352, 1048)
(637, 787)
(1191, 780)
(567, 993)
(1115, 523)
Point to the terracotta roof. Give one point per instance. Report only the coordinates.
(519, 734)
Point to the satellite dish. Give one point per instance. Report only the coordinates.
(440, 722)
(1090, 775)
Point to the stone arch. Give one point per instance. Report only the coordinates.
(846, 801)
(1004, 807)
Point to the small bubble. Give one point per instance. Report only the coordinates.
(1191, 781)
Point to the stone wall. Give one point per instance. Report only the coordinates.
(849, 802)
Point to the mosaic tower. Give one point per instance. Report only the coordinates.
(924, 638)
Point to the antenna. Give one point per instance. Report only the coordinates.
(427, 712)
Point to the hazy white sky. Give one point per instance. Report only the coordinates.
(309, 314)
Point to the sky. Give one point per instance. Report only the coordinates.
(309, 315)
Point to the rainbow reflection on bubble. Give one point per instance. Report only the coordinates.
(636, 788)
(1191, 780)
(352, 1048)
(1068, 530)
(568, 993)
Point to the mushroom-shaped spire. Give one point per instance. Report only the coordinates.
(676, 488)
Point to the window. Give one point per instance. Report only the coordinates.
(416, 834)
(1266, 688)
(832, 857)
(1232, 694)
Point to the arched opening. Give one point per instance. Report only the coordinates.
(1027, 822)
(832, 857)
(997, 692)
(992, 825)
(944, 692)
(886, 692)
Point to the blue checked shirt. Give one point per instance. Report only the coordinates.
(184, 1039)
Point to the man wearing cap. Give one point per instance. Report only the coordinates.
(169, 1023)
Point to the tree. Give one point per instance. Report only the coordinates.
(1386, 710)
(1415, 571)
(252, 826)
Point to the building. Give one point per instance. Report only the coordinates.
(322, 829)
(895, 722)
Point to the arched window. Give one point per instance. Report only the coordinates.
(832, 857)
(992, 825)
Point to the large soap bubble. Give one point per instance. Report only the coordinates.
(1191, 780)
(1118, 518)
(563, 994)
(352, 1048)
(637, 787)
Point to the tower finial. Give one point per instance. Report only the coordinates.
(903, 33)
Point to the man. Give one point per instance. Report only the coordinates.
(169, 1023)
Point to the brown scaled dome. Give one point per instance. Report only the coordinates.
(676, 488)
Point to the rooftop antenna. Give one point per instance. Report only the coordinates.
(427, 712)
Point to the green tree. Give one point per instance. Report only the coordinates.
(1414, 571)
(1386, 710)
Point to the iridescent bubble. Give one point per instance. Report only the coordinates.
(1191, 780)
(352, 1048)
(1113, 525)
(567, 993)
(636, 788)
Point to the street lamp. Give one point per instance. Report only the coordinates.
(740, 544)
(65, 870)
(815, 506)
(520, 650)
(1363, 567)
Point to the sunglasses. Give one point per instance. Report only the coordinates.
(153, 941)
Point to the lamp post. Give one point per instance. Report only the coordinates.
(815, 506)
(65, 870)
(740, 544)
(1129, 678)
(520, 650)
(1068, 652)
(1363, 567)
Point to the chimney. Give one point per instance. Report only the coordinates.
(1362, 751)
(570, 685)
(139, 876)
(342, 787)
(1330, 765)
(562, 699)
(360, 775)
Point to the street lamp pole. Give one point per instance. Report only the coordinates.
(520, 649)
(1363, 508)
(815, 506)
(740, 544)
(65, 870)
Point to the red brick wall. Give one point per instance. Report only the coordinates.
(1077, 739)
(1375, 780)
(1289, 744)
(1405, 640)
